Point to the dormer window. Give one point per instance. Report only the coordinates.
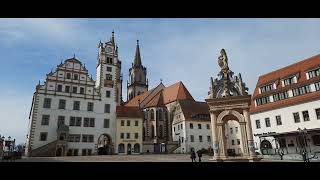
(288, 81)
(263, 100)
(314, 73)
(266, 88)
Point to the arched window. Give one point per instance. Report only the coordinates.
(152, 114)
(136, 148)
(160, 115)
(143, 133)
(152, 131)
(132, 79)
(165, 115)
(121, 148)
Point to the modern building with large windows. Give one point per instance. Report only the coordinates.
(285, 109)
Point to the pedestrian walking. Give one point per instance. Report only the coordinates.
(193, 156)
(199, 155)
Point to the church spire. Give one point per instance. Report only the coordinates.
(137, 58)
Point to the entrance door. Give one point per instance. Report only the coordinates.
(129, 148)
(59, 152)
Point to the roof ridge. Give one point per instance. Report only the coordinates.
(289, 66)
(151, 93)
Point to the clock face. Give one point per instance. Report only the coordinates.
(109, 49)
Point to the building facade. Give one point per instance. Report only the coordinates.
(72, 114)
(191, 126)
(285, 109)
(129, 130)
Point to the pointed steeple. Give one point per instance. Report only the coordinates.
(137, 58)
(112, 39)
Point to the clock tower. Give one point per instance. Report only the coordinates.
(138, 82)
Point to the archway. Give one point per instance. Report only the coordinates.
(265, 147)
(121, 148)
(59, 151)
(136, 148)
(129, 148)
(104, 145)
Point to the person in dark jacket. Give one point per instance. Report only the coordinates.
(193, 156)
(199, 155)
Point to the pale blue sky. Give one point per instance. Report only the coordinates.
(171, 49)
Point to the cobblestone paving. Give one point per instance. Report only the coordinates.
(117, 158)
(129, 158)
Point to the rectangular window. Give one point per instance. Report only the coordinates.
(78, 121)
(107, 94)
(289, 81)
(47, 103)
(109, 69)
(74, 138)
(209, 138)
(84, 138)
(85, 122)
(68, 76)
(75, 76)
(109, 77)
(263, 100)
(174, 129)
(208, 126)
(238, 141)
(62, 104)
(232, 141)
(191, 138)
(200, 138)
(107, 108)
(59, 89)
(181, 126)
(296, 117)
(317, 85)
(43, 136)
(236, 129)
(128, 122)
(72, 121)
(89, 152)
(67, 89)
(278, 119)
(266, 88)
(91, 138)
(314, 73)
(199, 126)
(280, 96)
(81, 90)
(92, 122)
(106, 123)
(61, 120)
(136, 135)
(45, 120)
(74, 89)
(258, 125)
(122, 136)
(301, 90)
(191, 126)
(178, 127)
(267, 120)
(76, 105)
(305, 115)
(231, 131)
(136, 123)
(90, 106)
(122, 122)
(318, 113)
(128, 135)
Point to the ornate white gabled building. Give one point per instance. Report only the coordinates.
(71, 114)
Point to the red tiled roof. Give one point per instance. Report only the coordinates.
(300, 68)
(132, 112)
(192, 108)
(169, 94)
